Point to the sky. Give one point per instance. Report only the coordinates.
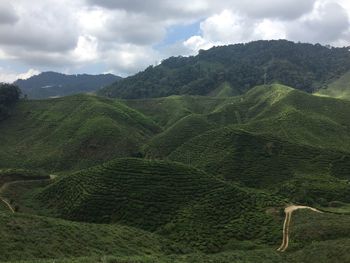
(125, 36)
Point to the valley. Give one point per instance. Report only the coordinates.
(182, 173)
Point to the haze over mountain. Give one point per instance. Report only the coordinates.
(53, 84)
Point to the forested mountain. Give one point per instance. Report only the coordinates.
(238, 68)
(53, 84)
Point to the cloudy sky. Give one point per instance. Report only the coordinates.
(125, 36)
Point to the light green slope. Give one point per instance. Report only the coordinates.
(339, 89)
(71, 133)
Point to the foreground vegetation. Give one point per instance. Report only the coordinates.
(176, 179)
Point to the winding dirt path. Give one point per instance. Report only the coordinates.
(50, 177)
(7, 204)
(289, 211)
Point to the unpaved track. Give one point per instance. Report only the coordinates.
(52, 177)
(289, 211)
(7, 204)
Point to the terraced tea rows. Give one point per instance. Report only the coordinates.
(26, 237)
(257, 161)
(179, 202)
(136, 192)
(71, 133)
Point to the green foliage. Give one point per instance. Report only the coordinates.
(179, 202)
(242, 66)
(316, 190)
(136, 192)
(27, 237)
(286, 145)
(340, 88)
(9, 95)
(71, 133)
(10, 175)
(257, 161)
(308, 227)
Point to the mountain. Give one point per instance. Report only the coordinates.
(234, 69)
(211, 177)
(53, 84)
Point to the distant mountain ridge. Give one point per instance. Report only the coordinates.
(236, 69)
(53, 84)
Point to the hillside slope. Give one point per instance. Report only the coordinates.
(71, 133)
(237, 68)
(340, 88)
(272, 110)
(164, 197)
(28, 237)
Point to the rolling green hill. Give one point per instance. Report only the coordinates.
(339, 88)
(71, 133)
(274, 111)
(257, 161)
(210, 183)
(234, 69)
(171, 199)
(28, 237)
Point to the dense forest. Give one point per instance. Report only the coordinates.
(305, 67)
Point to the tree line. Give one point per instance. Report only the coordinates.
(9, 95)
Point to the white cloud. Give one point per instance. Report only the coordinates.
(9, 77)
(8, 14)
(126, 59)
(123, 35)
(282, 9)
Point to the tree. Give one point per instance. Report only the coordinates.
(9, 94)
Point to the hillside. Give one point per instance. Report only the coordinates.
(28, 237)
(71, 133)
(274, 110)
(234, 222)
(162, 197)
(234, 69)
(211, 181)
(53, 84)
(339, 88)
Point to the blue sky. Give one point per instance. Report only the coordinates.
(125, 36)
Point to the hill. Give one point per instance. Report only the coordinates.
(71, 133)
(272, 110)
(53, 84)
(234, 69)
(163, 197)
(339, 88)
(28, 237)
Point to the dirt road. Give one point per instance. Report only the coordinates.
(289, 211)
(7, 204)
